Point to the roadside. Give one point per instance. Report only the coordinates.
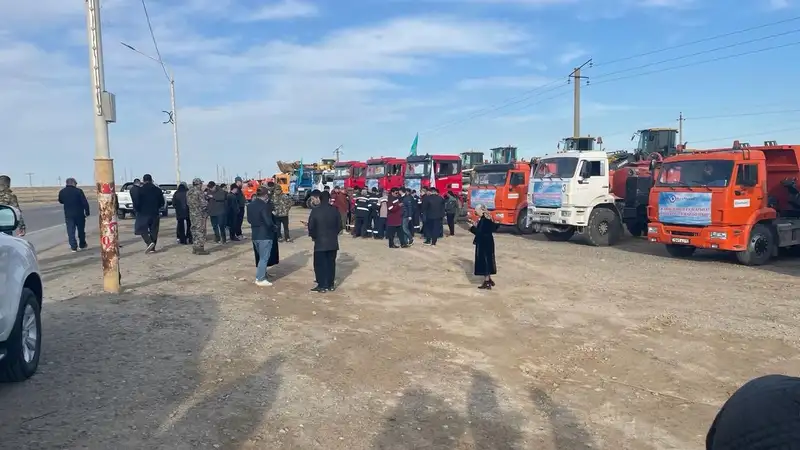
(577, 347)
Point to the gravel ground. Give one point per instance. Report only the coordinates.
(577, 347)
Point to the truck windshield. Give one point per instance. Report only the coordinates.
(376, 171)
(342, 172)
(706, 173)
(446, 168)
(490, 178)
(359, 171)
(561, 167)
(418, 169)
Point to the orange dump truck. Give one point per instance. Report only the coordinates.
(503, 189)
(744, 199)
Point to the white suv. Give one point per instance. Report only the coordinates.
(20, 302)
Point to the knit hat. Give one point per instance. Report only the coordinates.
(237, 179)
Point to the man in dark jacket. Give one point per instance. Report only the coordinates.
(409, 206)
(241, 203)
(232, 212)
(324, 226)
(217, 207)
(395, 218)
(148, 201)
(362, 214)
(263, 227)
(76, 210)
(137, 183)
(181, 205)
(433, 211)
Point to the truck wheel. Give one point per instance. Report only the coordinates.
(636, 229)
(559, 236)
(759, 248)
(25, 341)
(680, 251)
(522, 223)
(121, 215)
(308, 204)
(604, 228)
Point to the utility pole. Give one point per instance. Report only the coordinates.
(259, 175)
(576, 119)
(59, 181)
(217, 172)
(680, 128)
(30, 178)
(104, 113)
(338, 152)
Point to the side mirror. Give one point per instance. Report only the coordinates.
(9, 219)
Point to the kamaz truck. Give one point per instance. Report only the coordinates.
(502, 189)
(385, 173)
(440, 171)
(350, 174)
(743, 199)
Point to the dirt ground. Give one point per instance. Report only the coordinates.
(577, 347)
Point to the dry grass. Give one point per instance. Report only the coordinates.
(47, 194)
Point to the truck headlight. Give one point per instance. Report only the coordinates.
(719, 235)
(652, 230)
(566, 213)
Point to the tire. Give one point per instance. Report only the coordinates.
(522, 219)
(19, 364)
(680, 251)
(559, 236)
(636, 229)
(121, 215)
(307, 204)
(604, 228)
(760, 247)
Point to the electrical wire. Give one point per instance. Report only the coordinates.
(698, 41)
(527, 95)
(703, 52)
(155, 42)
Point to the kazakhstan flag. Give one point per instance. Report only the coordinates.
(414, 146)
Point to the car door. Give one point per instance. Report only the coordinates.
(588, 187)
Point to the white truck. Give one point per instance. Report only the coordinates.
(125, 204)
(569, 193)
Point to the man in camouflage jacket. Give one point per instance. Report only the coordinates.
(7, 197)
(197, 200)
(282, 203)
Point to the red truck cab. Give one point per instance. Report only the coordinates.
(349, 174)
(446, 171)
(385, 173)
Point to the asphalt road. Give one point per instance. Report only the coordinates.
(45, 226)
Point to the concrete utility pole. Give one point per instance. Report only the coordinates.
(680, 128)
(172, 116)
(30, 178)
(576, 119)
(104, 113)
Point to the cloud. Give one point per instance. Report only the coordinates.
(285, 9)
(571, 55)
(246, 98)
(666, 4)
(522, 82)
(779, 4)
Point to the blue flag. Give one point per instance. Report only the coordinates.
(414, 146)
(300, 172)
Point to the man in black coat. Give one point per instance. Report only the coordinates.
(263, 228)
(241, 203)
(181, 205)
(433, 211)
(148, 200)
(76, 210)
(324, 226)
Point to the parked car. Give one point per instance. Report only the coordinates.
(125, 204)
(169, 191)
(21, 294)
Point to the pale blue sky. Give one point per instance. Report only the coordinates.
(261, 81)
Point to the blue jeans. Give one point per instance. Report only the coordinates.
(264, 249)
(76, 224)
(408, 229)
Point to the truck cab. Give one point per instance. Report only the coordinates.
(503, 155)
(283, 180)
(502, 188)
(569, 193)
(440, 171)
(349, 174)
(742, 199)
(385, 173)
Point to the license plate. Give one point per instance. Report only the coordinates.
(542, 218)
(680, 240)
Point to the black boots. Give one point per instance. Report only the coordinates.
(487, 284)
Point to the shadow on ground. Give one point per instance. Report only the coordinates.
(116, 369)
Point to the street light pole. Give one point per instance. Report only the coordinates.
(173, 115)
(104, 113)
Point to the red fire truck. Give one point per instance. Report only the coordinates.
(349, 174)
(385, 172)
(444, 171)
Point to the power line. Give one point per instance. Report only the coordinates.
(703, 52)
(699, 41)
(153, 37)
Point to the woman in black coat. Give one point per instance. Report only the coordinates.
(485, 265)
